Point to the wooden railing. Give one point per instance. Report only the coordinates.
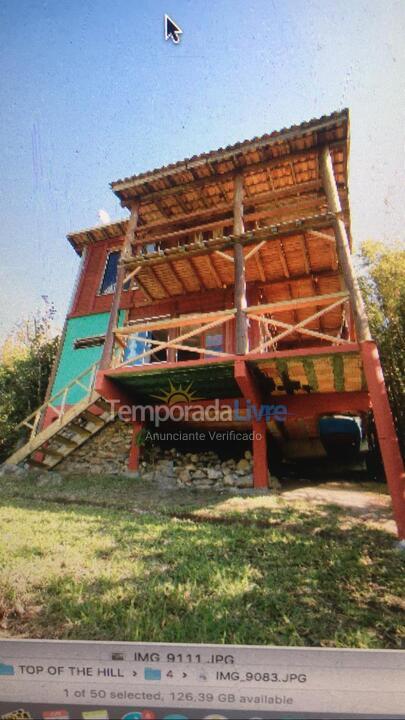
(58, 403)
(203, 321)
(264, 316)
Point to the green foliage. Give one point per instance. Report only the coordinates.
(383, 289)
(26, 361)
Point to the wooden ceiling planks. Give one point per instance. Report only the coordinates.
(318, 372)
(283, 160)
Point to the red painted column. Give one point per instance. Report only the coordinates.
(135, 449)
(260, 470)
(387, 438)
(251, 392)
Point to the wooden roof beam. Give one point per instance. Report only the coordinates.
(219, 245)
(306, 204)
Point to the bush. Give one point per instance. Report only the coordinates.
(26, 361)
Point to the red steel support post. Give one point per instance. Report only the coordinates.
(387, 438)
(251, 392)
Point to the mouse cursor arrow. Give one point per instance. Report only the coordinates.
(172, 30)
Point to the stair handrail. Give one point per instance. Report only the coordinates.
(37, 414)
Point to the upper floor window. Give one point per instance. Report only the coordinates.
(110, 274)
(149, 248)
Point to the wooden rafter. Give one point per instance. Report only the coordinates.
(177, 277)
(214, 272)
(307, 261)
(282, 257)
(159, 282)
(197, 274)
(163, 211)
(144, 290)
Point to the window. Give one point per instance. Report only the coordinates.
(214, 342)
(149, 248)
(110, 274)
(193, 341)
(136, 347)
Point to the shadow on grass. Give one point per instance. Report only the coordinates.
(297, 578)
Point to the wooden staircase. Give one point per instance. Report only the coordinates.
(71, 427)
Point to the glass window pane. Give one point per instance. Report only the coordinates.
(110, 273)
(214, 341)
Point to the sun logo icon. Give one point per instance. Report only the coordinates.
(175, 395)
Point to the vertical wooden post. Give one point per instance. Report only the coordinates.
(342, 246)
(115, 307)
(387, 438)
(135, 449)
(240, 278)
(260, 468)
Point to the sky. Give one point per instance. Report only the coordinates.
(91, 92)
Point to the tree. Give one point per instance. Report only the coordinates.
(383, 288)
(26, 360)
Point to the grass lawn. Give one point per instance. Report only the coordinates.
(112, 559)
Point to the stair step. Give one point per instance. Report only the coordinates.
(53, 453)
(67, 442)
(91, 417)
(101, 403)
(79, 430)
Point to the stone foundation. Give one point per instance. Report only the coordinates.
(107, 453)
(203, 471)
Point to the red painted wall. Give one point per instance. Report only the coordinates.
(88, 301)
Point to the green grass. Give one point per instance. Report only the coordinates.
(279, 573)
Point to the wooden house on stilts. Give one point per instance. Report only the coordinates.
(233, 276)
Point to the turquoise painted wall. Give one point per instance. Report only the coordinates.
(73, 362)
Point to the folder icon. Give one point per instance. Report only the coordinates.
(6, 669)
(95, 715)
(152, 674)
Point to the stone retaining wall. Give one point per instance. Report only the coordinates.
(107, 453)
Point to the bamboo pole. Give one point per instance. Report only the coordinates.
(343, 248)
(115, 307)
(240, 275)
